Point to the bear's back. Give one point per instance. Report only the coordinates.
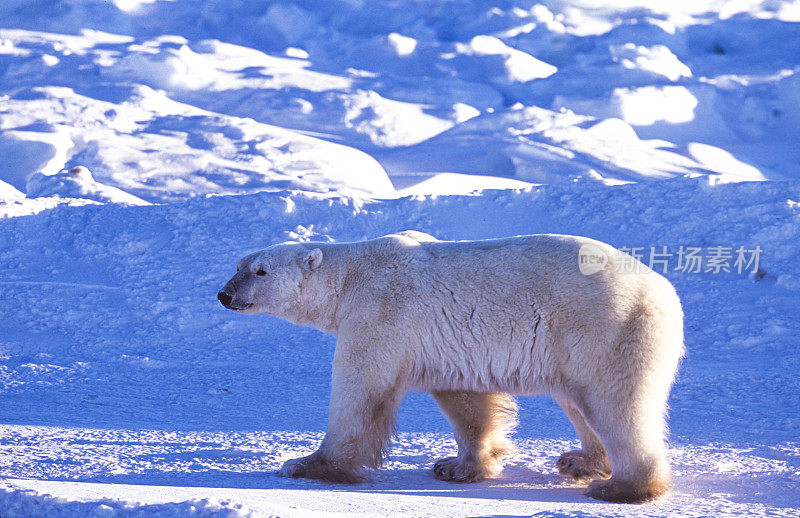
(509, 271)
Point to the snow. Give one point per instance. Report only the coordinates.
(7, 192)
(649, 104)
(403, 45)
(77, 183)
(158, 149)
(105, 332)
(146, 145)
(517, 66)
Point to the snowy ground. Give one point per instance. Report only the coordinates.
(210, 129)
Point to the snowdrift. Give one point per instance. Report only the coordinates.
(166, 100)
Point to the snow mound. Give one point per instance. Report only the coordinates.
(158, 149)
(391, 123)
(167, 68)
(77, 182)
(517, 66)
(8, 192)
(657, 59)
(384, 77)
(650, 104)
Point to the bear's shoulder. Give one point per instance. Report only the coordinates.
(406, 238)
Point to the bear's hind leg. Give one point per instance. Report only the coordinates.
(480, 422)
(635, 443)
(627, 409)
(588, 463)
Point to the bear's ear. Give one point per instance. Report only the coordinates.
(312, 259)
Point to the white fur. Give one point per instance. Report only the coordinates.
(473, 321)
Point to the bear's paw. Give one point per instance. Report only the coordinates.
(625, 492)
(583, 468)
(316, 467)
(455, 469)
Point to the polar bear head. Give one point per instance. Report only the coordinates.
(272, 280)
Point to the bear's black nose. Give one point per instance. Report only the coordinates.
(224, 298)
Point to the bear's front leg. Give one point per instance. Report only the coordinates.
(366, 390)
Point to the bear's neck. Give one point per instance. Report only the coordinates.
(323, 290)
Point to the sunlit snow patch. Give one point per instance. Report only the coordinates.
(168, 68)
(131, 5)
(719, 160)
(453, 183)
(650, 104)
(158, 149)
(77, 182)
(403, 45)
(391, 123)
(8, 192)
(518, 66)
(657, 59)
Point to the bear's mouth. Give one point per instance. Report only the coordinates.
(241, 308)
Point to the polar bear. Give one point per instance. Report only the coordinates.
(473, 322)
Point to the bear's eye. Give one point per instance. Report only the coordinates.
(261, 272)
